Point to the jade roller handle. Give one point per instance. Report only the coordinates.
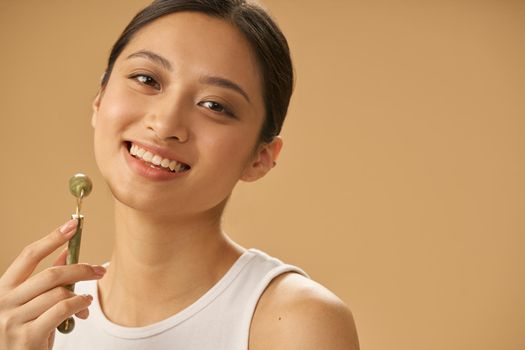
(73, 252)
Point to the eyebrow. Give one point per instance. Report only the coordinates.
(224, 83)
(152, 56)
(206, 79)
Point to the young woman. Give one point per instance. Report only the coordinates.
(192, 101)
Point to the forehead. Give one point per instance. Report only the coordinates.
(198, 44)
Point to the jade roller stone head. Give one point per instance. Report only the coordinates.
(80, 185)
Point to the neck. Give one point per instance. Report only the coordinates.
(162, 263)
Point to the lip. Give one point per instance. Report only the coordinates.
(144, 169)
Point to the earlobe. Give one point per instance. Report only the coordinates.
(264, 160)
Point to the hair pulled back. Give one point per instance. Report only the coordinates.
(263, 34)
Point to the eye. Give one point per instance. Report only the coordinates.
(146, 80)
(216, 107)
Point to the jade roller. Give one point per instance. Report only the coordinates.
(80, 186)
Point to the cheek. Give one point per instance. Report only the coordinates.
(115, 113)
(223, 158)
(229, 150)
(118, 108)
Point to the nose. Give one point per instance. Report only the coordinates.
(167, 121)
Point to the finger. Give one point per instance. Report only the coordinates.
(61, 258)
(51, 340)
(37, 306)
(26, 262)
(83, 314)
(53, 277)
(53, 317)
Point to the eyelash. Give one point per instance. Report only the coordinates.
(223, 111)
(154, 84)
(149, 78)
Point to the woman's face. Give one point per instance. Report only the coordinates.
(186, 88)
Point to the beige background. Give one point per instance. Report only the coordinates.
(401, 184)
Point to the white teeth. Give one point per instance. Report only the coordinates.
(173, 165)
(165, 163)
(148, 156)
(156, 160)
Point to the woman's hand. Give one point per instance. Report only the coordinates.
(32, 307)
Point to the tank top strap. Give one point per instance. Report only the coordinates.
(247, 289)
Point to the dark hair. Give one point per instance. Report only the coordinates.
(263, 34)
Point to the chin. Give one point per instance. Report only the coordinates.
(146, 202)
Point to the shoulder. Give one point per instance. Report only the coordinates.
(295, 312)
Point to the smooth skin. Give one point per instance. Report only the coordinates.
(32, 307)
(169, 245)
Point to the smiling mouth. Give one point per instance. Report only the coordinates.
(156, 161)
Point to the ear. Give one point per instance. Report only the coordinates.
(96, 105)
(263, 160)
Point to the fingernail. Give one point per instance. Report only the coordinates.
(98, 270)
(68, 226)
(87, 296)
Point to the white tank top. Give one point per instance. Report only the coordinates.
(219, 320)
